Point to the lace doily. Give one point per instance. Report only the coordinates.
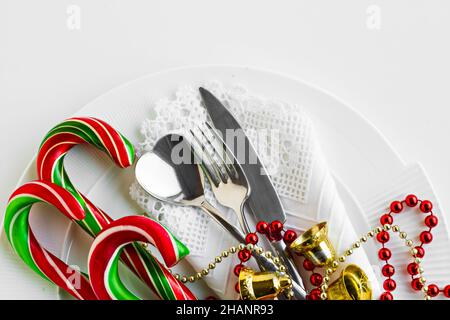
(290, 167)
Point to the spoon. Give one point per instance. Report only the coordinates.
(170, 174)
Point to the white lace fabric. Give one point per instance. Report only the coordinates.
(298, 170)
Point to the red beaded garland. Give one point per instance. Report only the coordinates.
(386, 296)
(420, 252)
(289, 236)
(413, 268)
(447, 291)
(276, 226)
(433, 290)
(383, 237)
(244, 255)
(411, 200)
(384, 254)
(386, 219)
(315, 294)
(308, 265)
(388, 270)
(431, 221)
(277, 236)
(396, 206)
(426, 237)
(262, 227)
(237, 269)
(389, 285)
(416, 284)
(316, 279)
(251, 238)
(237, 287)
(426, 206)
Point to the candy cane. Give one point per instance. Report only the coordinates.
(50, 167)
(107, 247)
(23, 241)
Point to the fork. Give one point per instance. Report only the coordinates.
(228, 182)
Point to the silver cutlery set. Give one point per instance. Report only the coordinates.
(222, 154)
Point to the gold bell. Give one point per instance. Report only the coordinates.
(315, 245)
(353, 284)
(261, 285)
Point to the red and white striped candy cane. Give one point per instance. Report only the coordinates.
(50, 167)
(23, 241)
(108, 245)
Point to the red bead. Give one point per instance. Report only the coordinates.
(413, 268)
(384, 254)
(386, 219)
(447, 291)
(237, 269)
(316, 279)
(426, 237)
(389, 285)
(411, 200)
(315, 294)
(308, 265)
(388, 270)
(237, 288)
(277, 236)
(251, 238)
(289, 236)
(431, 221)
(396, 207)
(386, 296)
(383, 237)
(416, 284)
(433, 290)
(244, 255)
(420, 252)
(276, 226)
(262, 227)
(426, 206)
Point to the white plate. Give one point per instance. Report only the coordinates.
(356, 152)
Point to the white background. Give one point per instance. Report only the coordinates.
(396, 75)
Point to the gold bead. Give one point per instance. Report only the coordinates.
(170, 271)
(250, 247)
(199, 276)
(414, 251)
(387, 227)
(241, 246)
(183, 279)
(323, 296)
(326, 279)
(420, 270)
(341, 259)
(191, 279)
(177, 276)
(378, 229)
(225, 254)
(363, 239)
(422, 280)
(418, 260)
(356, 245)
(409, 243)
(349, 252)
(427, 297)
(212, 265)
(268, 254)
(403, 235)
(289, 294)
(205, 272)
(324, 287)
(335, 264)
(370, 234)
(282, 268)
(425, 289)
(329, 271)
(276, 260)
(396, 228)
(232, 250)
(218, 259)
(259, 250)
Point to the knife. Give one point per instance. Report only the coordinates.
(263, 202)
